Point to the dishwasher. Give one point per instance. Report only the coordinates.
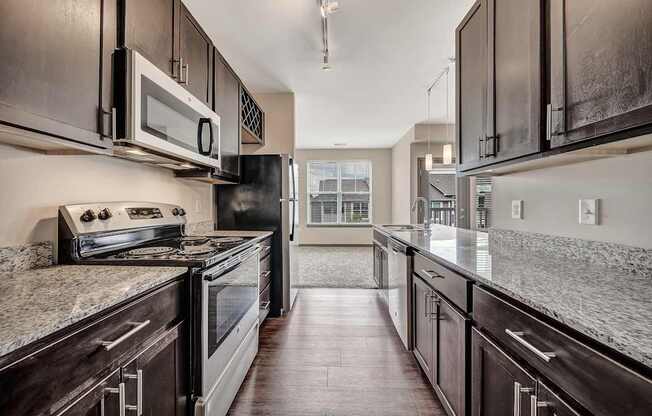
(397, 290)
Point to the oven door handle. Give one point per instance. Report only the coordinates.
(230, 264)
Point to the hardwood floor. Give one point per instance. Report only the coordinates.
(337, 354)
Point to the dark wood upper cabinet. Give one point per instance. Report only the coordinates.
(195, 57)
(514, 79)
(227, 105)
(149, 28)
(55, 60)
(499, 76)
(167, 34)
(499, 386)
(471, 84)
(600, 68)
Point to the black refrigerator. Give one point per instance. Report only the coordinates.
(265, 199)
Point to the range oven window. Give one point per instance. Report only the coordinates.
(230, 296)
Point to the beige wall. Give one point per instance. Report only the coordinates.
(279, 124)
(623, 183)
(401, 182)
(381, 162)
(404, 167)
(32, 186)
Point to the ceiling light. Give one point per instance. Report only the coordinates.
(325, 65)
(188, 166)
(339, 144)
(448, 154)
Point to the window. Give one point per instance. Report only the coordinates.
(339, 192)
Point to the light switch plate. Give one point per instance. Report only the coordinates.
(589, 211)
(517, 209)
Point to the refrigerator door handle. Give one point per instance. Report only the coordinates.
(293, 198)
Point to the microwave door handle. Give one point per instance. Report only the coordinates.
(200, 130)
(210, 131)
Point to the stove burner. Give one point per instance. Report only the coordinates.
(148, 251)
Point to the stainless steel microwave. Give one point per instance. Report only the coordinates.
(158, 121)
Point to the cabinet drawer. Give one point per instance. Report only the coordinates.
(265, 263)
(264, 303)
(595, 381)
(264, 252)
(450, 284)
(264, 279)
(47, 379)
(266, 242)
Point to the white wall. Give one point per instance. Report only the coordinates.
(33, 185)
(381, 164)
(279, 124)
(623, 183)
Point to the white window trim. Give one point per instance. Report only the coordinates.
(338, 222)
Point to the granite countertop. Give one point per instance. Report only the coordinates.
(606, 303)
(39, 302)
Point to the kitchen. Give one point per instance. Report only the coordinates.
(155, 187)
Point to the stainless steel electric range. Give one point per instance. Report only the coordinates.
(222, 280)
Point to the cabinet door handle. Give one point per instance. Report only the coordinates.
(480, 147)
(139, 392)
(518, 336)
(426, 313)
(518, 389)
(120, 391)
(265, 274)
(549, 122)
(137, 326)
(493, 147)
(535, 404)
(265, 305)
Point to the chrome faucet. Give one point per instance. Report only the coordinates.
(426, 217)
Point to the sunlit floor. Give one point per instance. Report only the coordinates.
(336, 354)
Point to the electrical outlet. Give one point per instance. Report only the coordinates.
(517, 209)
(589, 211)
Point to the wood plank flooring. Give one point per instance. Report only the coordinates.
(336, 354)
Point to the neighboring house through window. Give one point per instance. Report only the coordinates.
(339, 193)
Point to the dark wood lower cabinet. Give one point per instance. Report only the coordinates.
(159, 373)
(102, 400)
(425, 328)
(548, 403)
(440, 345)
(499, 385)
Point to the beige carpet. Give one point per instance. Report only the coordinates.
(333, 266)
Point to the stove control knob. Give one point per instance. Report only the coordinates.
(175, 211)
(104, 214)
(88, 216)
(182, 212)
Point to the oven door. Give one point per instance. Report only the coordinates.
(164, 117)
(229, 311)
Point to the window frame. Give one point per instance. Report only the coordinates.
(340, 215)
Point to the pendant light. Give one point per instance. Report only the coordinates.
(428, 161)
(447, 151)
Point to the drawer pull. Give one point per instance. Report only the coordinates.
(137, 327)
(535, 404)
(265, 274)
(265, 305)
(518, 336)
(431, 274)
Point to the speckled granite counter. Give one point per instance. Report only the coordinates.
(39, 302)
(608, 304)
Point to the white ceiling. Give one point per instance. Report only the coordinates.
(384, 55)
